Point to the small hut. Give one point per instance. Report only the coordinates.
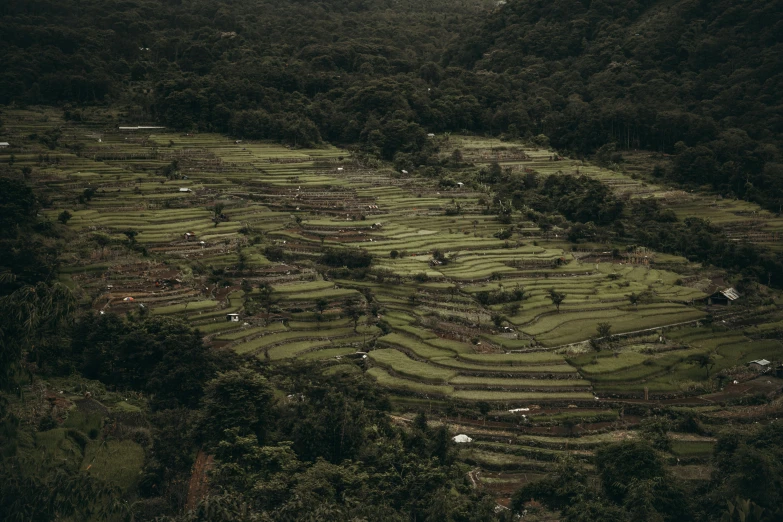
(723, 297)
(232, 318)
(760, 365)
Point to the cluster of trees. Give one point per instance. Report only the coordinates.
(699, 240)
(487, 298)
(578, 198)
(346, 257)
(327, 449)
(163, 358)
(634, 483)
(699, 79)
(593, 213)
(29, 245)
(33, 305)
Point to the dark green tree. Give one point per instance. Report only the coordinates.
(619, 464)
(354, 309)
(241, 400)
(557, 298)
(64, 216)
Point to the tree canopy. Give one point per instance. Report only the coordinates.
(696, 79)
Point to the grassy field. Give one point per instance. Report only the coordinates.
(117, 462)
(467, 380)
(385, 379)
(407, 367)
(513, 359)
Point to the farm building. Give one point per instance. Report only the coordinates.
(232, 318)
(4, 144)
(189, 236)
(760, 365)
(141, 127)
(185, 189)
(723, 297)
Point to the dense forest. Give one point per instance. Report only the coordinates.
(697, 79)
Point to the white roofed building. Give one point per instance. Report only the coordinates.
(723, 297)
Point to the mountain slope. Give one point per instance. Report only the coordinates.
(702, 79)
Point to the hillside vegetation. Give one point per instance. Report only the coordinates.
(699, 79)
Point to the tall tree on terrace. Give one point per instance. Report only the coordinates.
(267, 300)
(557, 298)
(320, 305)
(353, 308)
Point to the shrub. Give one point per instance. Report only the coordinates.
(64, 217)
(274, 253)
(345, 257)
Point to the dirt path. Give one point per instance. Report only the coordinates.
(199, 485)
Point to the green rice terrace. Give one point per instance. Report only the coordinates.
(560, 346)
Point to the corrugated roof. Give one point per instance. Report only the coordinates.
(761, 362)
(730, 293)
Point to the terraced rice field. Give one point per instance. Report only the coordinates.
(239, 228)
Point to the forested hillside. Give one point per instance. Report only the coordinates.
(699, 79)
(296, 71)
